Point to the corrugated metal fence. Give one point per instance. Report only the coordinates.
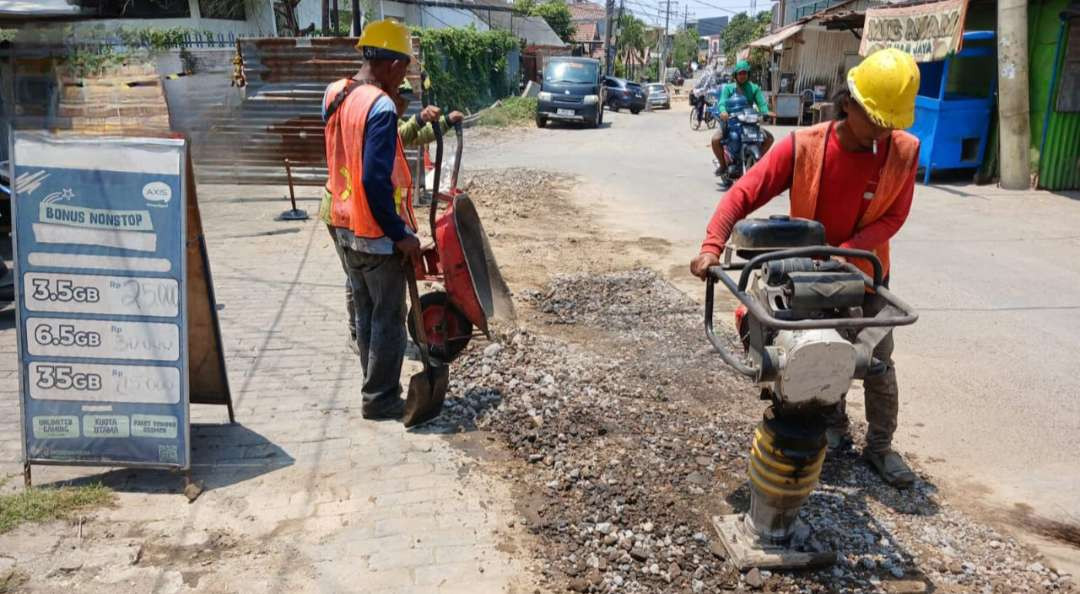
(819, 57)
(1059, 143)
(244, 136)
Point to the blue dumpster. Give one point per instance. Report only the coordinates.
(952, 113)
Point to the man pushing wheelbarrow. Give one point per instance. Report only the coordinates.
(375, 229)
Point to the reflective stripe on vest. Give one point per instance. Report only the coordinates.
(349, 207)
(810, 145)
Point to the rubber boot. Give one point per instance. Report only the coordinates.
(838, 427)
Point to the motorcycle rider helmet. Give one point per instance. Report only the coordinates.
(741, 66)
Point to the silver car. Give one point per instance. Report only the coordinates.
(658, 96)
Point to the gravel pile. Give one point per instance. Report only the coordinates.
(629, 441)
(633, 301)
(511, 194)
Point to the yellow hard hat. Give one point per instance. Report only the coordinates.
(385, 39)
(885, 85)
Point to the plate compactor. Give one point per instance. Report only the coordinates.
(802, 327)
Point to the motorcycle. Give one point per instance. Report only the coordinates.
(708, 113)
(744, 139)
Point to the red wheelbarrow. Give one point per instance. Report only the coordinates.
(461, 261)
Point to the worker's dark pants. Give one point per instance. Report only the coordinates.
(882, 395)
(378, 304)
(348, 283)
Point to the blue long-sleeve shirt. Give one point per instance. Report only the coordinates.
(380, 151)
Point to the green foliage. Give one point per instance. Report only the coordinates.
(684, 48)
(90, 61)
(631, 40)
(742, 29)
(467, 68)
(154, 39)
(43, 504)
(650, 72)
(555, 12)
(100, 50)
(558, 17)
(512, 111)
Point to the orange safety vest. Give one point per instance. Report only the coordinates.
(810, 144)
(345, 163)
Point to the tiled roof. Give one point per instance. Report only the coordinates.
(586, 11)
(585, 32)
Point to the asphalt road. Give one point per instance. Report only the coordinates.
(989, 385)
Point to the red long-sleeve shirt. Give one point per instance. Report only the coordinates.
(847, 178)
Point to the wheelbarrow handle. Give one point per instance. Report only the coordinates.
(438, 175)
(458, 129)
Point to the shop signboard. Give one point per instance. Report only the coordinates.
(101, 263)
(929, 32)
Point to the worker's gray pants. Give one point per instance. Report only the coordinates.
(882, 395)
(378, 303)
(348, 283)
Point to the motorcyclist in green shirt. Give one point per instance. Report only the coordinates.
(754, 95)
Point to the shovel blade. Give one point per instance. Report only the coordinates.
(427, 390)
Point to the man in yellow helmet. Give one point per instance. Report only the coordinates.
(370, 207)
(856, 176)
(414, 131)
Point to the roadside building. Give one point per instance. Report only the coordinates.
(254, 18)
(587, 41)
(714, 47)
(956, 107)
(710, 26)
(805, 55)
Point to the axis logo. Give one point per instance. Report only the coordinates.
(158, 192)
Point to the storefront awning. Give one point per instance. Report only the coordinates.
(778, 37)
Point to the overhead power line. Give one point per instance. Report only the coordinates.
(724, 8)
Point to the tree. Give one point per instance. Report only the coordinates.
(742, 29)
(684, 48)
(554, 12)
(630, 41)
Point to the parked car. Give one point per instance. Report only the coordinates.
(658, 96)
(570, 91)
(621, 93)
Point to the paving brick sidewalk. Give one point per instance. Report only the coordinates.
(303, 494)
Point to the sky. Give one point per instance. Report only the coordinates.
(652, 11)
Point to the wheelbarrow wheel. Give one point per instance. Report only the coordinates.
(448, 330)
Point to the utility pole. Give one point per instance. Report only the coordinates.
(357, 14)
(609, 9)
(325, 17)
(618, 23)
(664, 43)
(1013, 100)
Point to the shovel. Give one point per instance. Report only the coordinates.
(427, 389)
